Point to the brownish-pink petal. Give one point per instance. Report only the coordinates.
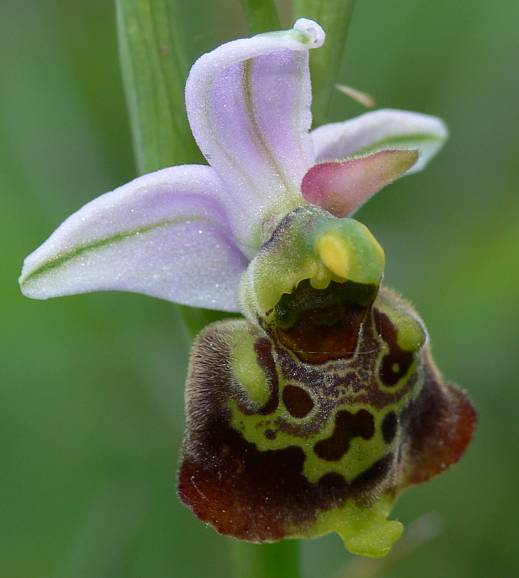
(342, 187)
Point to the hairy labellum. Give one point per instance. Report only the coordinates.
(312, 417)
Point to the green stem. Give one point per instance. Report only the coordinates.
(334, 16)
(279, 560)
(154, 70)
(261, 15)
(196, 319)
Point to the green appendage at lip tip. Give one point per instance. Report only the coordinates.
(62, 258)
(365, 531)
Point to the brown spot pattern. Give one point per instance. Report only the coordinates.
(347, 426)
(258, 496)
(297, 401)
(264, 495)
(241, 491)
(389, 425)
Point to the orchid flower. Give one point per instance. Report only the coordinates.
(313, 412)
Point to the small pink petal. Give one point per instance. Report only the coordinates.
(342, 187)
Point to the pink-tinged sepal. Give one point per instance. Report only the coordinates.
(165, 234)
(341, 187)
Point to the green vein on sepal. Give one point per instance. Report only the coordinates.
(80, 250)
(400, 140)
(258, 133)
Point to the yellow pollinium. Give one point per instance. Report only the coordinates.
(334, 254)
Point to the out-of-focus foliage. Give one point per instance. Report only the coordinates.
(91, 387)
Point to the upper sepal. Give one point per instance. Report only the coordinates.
(248, 103)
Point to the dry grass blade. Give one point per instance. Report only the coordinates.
(357, 95)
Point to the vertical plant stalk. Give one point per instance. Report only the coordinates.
(154, 70)
(280, 560)
(334, 16)
(261, 15)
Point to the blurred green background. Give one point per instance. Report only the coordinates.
(91, 387)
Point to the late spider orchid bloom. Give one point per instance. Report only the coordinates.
(312, 413)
